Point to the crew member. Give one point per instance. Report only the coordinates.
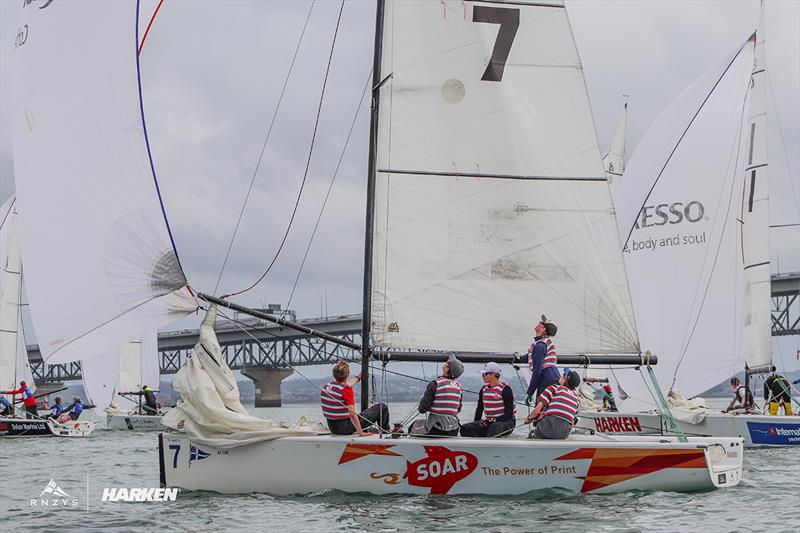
(494, 416)
(72, 412)
(556, 409)
(57, 409)
(6, 405)
(28, 401)
(338, 405)
(542, 359)
(442, 402)
(608, 399)
(777, 393)
(742, 396)
(150, 406)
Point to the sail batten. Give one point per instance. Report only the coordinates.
(106, 271)
(491, 202)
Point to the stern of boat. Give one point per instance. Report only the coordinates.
(724, 460)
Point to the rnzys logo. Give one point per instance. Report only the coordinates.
(53, 496)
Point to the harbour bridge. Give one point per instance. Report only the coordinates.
(265, 352)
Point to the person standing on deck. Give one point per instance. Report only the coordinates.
(608, 399)
(27, 399)
(338, 405)
(542, 359)
(496, 402)
(742, 397)
(777, 394)
(442, 402)
(557, 409)
(150, 406)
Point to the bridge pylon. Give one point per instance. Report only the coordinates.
(268, 384)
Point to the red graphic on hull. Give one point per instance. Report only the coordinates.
(441, 469)
(357, 451)
(614, 465)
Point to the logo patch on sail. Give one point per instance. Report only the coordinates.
(393, 327)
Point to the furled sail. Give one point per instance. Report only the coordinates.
(491, 204)
(104, 270)
(10, 287)
(614, 160)
(678, 207)
(755, 219)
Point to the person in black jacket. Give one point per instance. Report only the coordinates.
(777, 393)
(494, 416)
(150, 406)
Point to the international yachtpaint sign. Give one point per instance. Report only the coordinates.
(53, 496)
(780, 434)
(139, 495)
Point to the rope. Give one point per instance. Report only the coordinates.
(308, 162)
(263, 148)
(289, 364)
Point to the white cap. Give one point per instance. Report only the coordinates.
(490, 368)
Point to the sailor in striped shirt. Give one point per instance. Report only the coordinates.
(442, 402)
(557, 409)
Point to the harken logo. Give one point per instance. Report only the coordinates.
(53, 496)
(124, 494)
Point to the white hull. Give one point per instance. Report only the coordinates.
(754, 429)
(134, 422)
(298, 465)
(21, 427)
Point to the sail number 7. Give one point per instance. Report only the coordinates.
(508, 19)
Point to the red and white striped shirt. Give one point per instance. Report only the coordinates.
(550, 358)
(560, 401)
(493, 406)
(335, 397)
(447, 398)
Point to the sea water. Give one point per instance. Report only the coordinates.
(767, 499)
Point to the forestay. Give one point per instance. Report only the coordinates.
(210, 412)
(10, 287)
(105, 271)
(679, 203)
(755, 219)
(491, 203)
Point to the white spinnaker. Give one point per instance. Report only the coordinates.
(491, 204)
(105, 270)
(681, 196)
(755, 219)
(614, 160)
(9, 294)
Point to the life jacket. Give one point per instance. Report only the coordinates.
(77, 408)
(30, 401)
(550, 358)
(332, 400)
(560, 401)
(743, 396)
(493, 406)
(447, 398)
(58, 408)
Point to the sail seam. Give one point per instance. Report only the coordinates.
(757, 265)
(517, 3)
(492, 176)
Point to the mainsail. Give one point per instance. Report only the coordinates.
(105, 270)
(614, 160)
(491, 205)
(755, 219)
(678, 207)
(10, 287)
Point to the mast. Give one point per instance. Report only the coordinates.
(370, 215)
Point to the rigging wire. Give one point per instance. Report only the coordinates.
(308, 161)
(330, 188)
(264, 147)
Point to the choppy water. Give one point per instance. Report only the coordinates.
(768, 499)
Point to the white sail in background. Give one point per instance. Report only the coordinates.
(614, 160)
(679, 202)
(755, 219)
(10, 287)
(104, 270)
(24, 372)
(491, 203)
(100, 375)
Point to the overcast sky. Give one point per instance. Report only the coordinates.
(212, 72)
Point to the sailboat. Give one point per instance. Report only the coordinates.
(114, 384)
(14, 365)
(487, 204)
(703, 206)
